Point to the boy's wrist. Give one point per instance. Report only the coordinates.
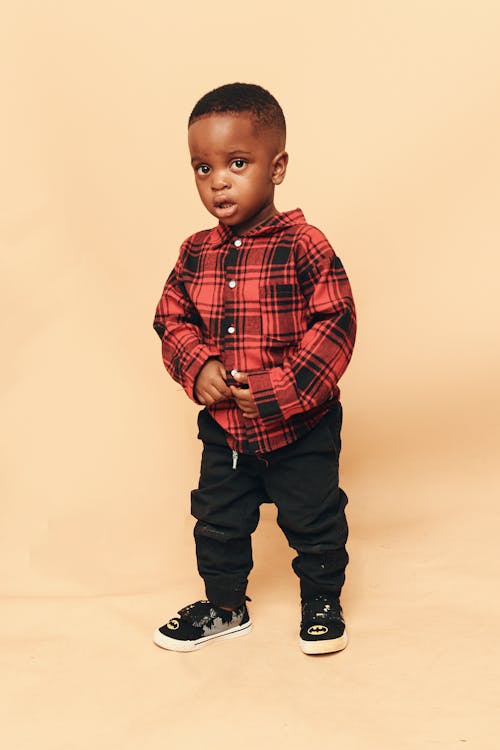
(200, 357)
(195, 383)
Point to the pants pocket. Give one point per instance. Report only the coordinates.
(332, 423)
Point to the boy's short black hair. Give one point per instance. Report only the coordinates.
(242, 97)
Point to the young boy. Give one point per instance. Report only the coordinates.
(257, 323)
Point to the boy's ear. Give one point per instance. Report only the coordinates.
(278, 167)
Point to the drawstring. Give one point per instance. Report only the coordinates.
(259, 458)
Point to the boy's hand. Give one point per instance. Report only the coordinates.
(210, 385)
(243, 397)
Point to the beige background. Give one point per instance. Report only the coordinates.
(394, 119)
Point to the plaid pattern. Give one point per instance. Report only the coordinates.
(275, 303)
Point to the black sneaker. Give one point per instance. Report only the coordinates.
(322, 629)
(200, 623)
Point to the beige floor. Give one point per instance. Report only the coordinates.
(421, 669)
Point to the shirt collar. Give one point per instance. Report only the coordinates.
(221, 234)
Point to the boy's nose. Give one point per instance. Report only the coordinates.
(220, 181)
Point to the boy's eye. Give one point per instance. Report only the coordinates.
(203, 169)
(239, 163)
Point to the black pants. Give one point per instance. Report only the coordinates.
(301, 478)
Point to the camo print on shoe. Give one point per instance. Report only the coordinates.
(201, 623)
(322, 629)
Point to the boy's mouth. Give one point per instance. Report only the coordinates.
(224, 209)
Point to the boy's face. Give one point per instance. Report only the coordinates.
(236, 168)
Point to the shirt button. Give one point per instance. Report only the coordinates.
(237, 243)
(231, 329)
(234, 373)
(232, 283)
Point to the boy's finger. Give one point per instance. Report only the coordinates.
(242, 401)
(216, 393)
(241, 377)
(221, 386)
(240, 391)
(248, 408)
(246, 398)
(222, 371)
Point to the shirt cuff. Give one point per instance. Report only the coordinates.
(274, 394)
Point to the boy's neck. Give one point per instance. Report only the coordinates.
(266, 213)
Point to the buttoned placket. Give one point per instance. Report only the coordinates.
(229, 298)
(229, 310)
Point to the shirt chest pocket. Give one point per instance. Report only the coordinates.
(282, 309)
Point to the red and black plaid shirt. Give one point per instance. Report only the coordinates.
(275, 303)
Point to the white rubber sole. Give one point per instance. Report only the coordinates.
(174, 645)
(328, 646)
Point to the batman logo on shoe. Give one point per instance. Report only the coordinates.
(173, 625)
(317, 630)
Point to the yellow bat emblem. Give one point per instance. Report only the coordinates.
(173, 625)
(317, 630)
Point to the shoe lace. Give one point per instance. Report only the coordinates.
(204, 612)
(198, 614)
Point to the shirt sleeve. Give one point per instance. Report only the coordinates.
(310, 375)
(178, 325)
